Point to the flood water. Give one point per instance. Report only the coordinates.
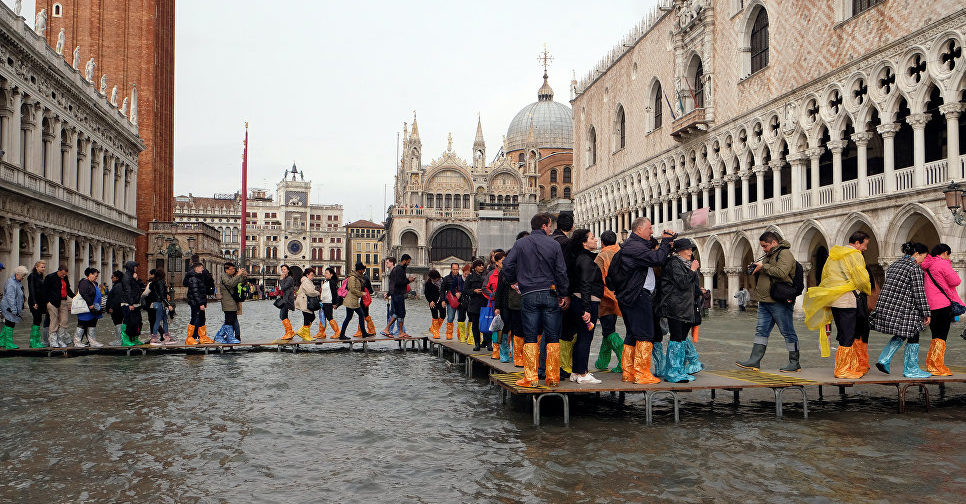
(340, 426)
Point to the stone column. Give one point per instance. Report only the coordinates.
(776, 181)
(99, 260)
(694, 197)
(53, 151)
(952, 112)
(798, 179)
(119, 172)
(733, 281)
(37, 246)
(674, 206)
(131, 190)
(918, 123)
(709, 283)
(862, 161)
(730, 179)
(717, 195)
(813, 155)
(109, 181)
(69, 160)
(14, 258)
(745, 175)
(71, 258)
(684, 200)
(836, 147)
(13, 130)
(888, 132)
(84, 166)
(97, 173)
(54, 247)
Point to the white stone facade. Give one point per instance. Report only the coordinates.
(853, 123)
(221, 211)
(68, 173)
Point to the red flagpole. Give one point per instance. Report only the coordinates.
(244, 202)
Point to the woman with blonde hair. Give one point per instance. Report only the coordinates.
(12, 306)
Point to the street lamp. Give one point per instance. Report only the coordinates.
(954, 193)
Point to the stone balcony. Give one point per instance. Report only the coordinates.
(690, 124)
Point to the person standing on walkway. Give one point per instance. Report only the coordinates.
(638, 258)
(778, 265)
(940, 284)
(536, 263)
(231, 304)
(57, 293)
(499, 340)
(355, 286)
(681, 304)
(587, 291)
(87, 322)
(11, 306)
(394, 326)
(160, 304)
(432, 293)
(36, 303)
(197, 297)
(114, 299)
(330, 301)
(398, 288)
(569, 322)
(507, 304)
(130, 305)
(839, 298)
(476, 300)
(608, 311)
(286, 301)
(903, 310)
(305, 300)
(452, 289)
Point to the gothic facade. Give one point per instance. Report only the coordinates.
(814, 119)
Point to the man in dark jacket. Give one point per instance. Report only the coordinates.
(197, 297)
(638, 260)
(452, 284)
(36, 303)
(57, 293)
(130, 304)
(114, 299)
(536, 264)
(568, 323)
(398, 287)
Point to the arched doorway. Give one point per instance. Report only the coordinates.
(745, 254)
(451, 242)
(871, 254)
(814, 249)
(409, 244)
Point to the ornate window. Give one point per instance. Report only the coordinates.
(619, 125)
(567, 192)
(451, 242)
(699, 86)
(567, 175)
(592, 148)
(759, 41)
(658, 110)
(553, 192)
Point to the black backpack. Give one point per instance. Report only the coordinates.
(616, 276)
(787, 292)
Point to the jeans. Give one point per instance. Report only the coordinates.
(458, 313)
(584, 336)
(389, 316)
(772, 314)
(608, 324)
(160, 318)
(541, 315)
(348, 317)
(639, 320)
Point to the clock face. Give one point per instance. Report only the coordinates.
(296, 198)
(294, 247)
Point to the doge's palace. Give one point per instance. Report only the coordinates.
(68, 172)
(811, 118)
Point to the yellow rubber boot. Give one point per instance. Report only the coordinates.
(203, 336)
(567, 354)
(305, 332)
(335, 329)
(190, 340)
(461, 331)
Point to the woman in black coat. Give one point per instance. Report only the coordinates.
(36, 302)
(114, 299)
(680, 304)
(587, 289)
(475, 301)
(437, 307)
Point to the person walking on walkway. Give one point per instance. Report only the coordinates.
(778, 265)
(587, 291)
(681, 304)
(398, 288)
(536, 263)
(11, 306)
(355, 287)
(114, 299)
(903, 310)
(432, 293)
(197, 297)
(305, 301)
(330, 301)
(476, 300)
(608, 311)
(451, 290)
(36, 303)
(638, 258)
(160, 304)
(940, 284)
(87, 322)
(286, 302)
(499, 340)
(57, 293)
(507, 304)
(231, 304)
(840, 298)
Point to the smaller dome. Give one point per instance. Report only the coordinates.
(552, 122)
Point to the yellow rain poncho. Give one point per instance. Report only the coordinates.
(843, 272)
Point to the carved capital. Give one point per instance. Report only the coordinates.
(835, 146)
(815, 152)
(918, 121)
(951, 110)
(732, 271)
(776, 165)
(862, 139)
(888, 130)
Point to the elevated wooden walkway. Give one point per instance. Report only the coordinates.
(505, 375)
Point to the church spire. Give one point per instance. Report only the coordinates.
(414, 136)
(479, 144)
(545, 93)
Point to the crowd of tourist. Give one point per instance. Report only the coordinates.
(539, 304)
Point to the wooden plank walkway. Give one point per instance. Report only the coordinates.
(505, 375)
(294, 346)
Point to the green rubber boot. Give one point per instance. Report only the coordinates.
(603, 355)
(36, 340)
(127, 340)
(617, 344)
(6, 338)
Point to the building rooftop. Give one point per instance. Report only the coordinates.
(365, 224)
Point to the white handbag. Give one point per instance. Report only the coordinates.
(78, 305)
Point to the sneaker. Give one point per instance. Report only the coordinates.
(587, 379)
(344, 338)
(573, 378)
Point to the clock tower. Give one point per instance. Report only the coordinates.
(293, 194)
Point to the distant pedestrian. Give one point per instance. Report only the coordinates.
(432, 293)
(130, 305)
(231, 303)
(393, 326)
(160, 303)
(330, 301)
(37, 303)
(587, 291)
(305, 300)
(398, 288)
(11, 306)
(473, 292)
(499, 340)
(285, 300)
(355, 289)
(452, 289)
(87, 322)
(680, 304)
(903, 310)
(115, 297)
(742, 297)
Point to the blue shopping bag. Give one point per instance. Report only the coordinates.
(486, 317)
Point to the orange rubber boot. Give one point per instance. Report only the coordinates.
(936, 358)
(627, 363)
(289, 332)
(518, 351)
(371, 326)
(335, 329)
(553, 364)
(861, 350)
(190, 340)
(321, 333)
(449, 330)
(203, 336)
(531, 351)
(437, 324)
(846, 365)
(642, 364)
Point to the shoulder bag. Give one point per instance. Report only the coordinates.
(78, 305)
(955, 308)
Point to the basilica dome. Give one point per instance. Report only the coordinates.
(552, 123)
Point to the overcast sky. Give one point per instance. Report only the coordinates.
(327, 85)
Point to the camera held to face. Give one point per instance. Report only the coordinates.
(751, 269)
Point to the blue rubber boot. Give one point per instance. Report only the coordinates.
(674, 366)
(692, 364)
(220, 335)
(910, 360)
(505, 348)
(657, 357)
(885, 358)
(230, 337)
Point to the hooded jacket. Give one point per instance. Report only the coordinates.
(197, 294)
(356, 286)
(942, 270)
(778, 265)
(229, 286)
(130, 288)
(116, 295)
(680, 292)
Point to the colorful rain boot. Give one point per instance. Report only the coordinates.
(504, 348)
(190, 340)
(118, 335)
(289, 332)
(449, 330)
(461, 331)
(321, 333)
(79, 338)
(518, 359)
(335, 329)
(553, 364)
(674, 372)
(754, 362)
(910, 360)
(567, 355)
(936, 358)
(627, 363)
(642, 363)
(495, 344)
(531, 351)
(371, 326)
(846, 365)
(692, 363)
(305, 332)
(617, 345)
(203, 336)
(603, 355)
(36, 341)
(6, 338)
(861, 350)
(885, 358)
(658, 357)
(220, 333)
